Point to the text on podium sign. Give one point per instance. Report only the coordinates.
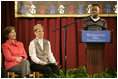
(96, 36)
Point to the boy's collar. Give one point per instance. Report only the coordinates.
(95, 19)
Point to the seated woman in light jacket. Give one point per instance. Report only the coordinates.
(41, 55)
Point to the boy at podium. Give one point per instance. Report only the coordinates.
(94, 22)
(95, 51)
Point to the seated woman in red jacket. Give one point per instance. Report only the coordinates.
(14, 53)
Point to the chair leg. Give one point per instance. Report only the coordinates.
(38, 74)
(12, 74)
(8, 74)
(33, 74)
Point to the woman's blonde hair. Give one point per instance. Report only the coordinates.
(38, 26)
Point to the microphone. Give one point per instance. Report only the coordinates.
(71, 23)
(87, 17)
(94, 15)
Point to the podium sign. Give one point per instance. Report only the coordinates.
(96, 36)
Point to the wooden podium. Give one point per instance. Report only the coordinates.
(95, 48)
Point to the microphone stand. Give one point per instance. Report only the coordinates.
(65, 35)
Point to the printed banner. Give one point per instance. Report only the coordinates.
(63, 8)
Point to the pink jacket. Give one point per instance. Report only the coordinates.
(12, 50)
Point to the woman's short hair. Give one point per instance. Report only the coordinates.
(7, 30)
(38, 26)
